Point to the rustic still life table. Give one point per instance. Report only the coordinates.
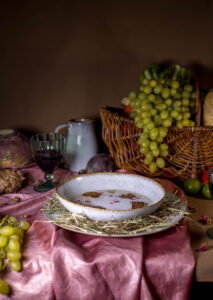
(62, 264)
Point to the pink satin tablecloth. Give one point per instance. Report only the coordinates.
(60, 264)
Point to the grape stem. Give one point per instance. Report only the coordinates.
(3, 221)
(176, 72)
(147, 74)
(165, 73)
(182, 75)
(154, 68)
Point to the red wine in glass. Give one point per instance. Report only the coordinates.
(48, 160)
(47, 149)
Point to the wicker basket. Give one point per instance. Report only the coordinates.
(190, 148)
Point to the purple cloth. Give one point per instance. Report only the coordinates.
(59, 264)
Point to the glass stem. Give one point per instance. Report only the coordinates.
(49, 177)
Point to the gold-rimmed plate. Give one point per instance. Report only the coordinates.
(168, 214)
(110, 196)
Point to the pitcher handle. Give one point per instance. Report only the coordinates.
(60, 127)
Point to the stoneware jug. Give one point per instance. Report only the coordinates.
(81, 143)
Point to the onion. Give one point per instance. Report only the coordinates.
(102, 162)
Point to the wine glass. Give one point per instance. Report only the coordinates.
(47, 150)
(209, 231)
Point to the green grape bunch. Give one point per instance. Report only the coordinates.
(166, 97)
(12, 234)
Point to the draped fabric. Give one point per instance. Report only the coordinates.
(60, 264)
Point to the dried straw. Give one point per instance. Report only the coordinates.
(170, 210)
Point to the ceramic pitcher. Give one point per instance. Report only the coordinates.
(81, 143)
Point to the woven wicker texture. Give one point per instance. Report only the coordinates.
(190, 148)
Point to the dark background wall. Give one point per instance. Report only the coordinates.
(66, 59)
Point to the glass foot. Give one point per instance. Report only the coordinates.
(45, 186)
(209, 233)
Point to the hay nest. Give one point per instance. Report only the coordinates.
(169, 214)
